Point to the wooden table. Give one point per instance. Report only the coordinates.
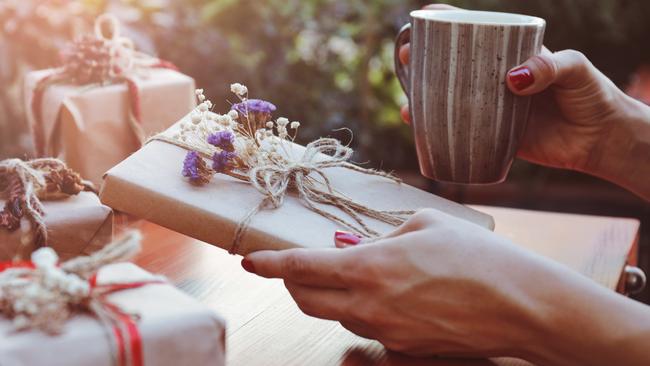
(265, 327)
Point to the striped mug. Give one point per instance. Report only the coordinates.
(467, 124)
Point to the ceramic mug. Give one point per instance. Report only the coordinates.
(467, 124)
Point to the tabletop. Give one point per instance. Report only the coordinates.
(265, 327)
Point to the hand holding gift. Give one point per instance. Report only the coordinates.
(270, 194)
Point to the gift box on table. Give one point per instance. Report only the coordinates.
(44, 203)
(149, 185)
(89, 127)
(173, 329)
(76, 225)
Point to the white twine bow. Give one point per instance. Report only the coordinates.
(123, 56)
(274, 181)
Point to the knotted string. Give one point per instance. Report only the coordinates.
(43, 295)
(23, 184)
(306, 176)
(107, 57)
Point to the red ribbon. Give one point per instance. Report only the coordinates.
(126, 321)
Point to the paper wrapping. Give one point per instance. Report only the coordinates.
(77, 225)
(87, 126)
(149, 185)
(175, 329)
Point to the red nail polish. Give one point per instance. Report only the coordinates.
(248, 265)
(521, 78)
(347, 238)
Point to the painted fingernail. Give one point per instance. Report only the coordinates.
(347, 238)
(248, 265)
(521, 78)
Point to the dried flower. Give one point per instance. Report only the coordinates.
(256, 112)
(254, 106)
(238, 89)
(233, 114)
(223, 140)
(282, 121)
(295, 124)
(195, 168)
(222, 161)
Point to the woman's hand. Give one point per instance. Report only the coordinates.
(580, 120)
(442, 286)
(438, 285)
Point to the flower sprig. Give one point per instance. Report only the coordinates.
(244, 137)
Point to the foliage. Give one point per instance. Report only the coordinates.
(327, 63)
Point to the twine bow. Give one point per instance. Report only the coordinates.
(98, 59)
(23, 184)
(306, 175)
(43, 295)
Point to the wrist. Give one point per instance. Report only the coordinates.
(622, 156)
(578, 322)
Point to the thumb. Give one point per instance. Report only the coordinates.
(567, 69)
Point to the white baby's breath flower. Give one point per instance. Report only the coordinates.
(21, 322)
(196, 117)
(269, 124)
(203, 107)
(282, 121)
(45, 257)
(198, 91)
(295, 124)
(238, 89)
(233, 114)
(224, 119)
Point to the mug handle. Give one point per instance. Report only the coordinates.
(402, 71)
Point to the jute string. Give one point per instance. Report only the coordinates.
(306, 176)
(23, 184)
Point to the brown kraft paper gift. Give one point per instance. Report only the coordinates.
(88, 126)
(174, 328)
(77, 225)
(149, 185)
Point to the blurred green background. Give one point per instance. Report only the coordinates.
(329, 64)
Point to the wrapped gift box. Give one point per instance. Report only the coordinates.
(77, 225)
(149, 185)
(174, 328)
(88, 126)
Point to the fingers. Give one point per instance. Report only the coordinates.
(316, 267)
(406, 115)
(345, 239)
(418, 221)
(324, 303)
(567, 69)
(405, 53)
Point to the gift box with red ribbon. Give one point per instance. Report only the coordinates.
(105, 99)
(128, 317)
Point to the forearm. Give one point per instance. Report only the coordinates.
(624, 156)
(582, 323)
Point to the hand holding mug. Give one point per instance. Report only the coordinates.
(578, 115)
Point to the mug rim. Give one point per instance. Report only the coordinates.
(525, 20)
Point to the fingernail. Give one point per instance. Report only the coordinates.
(521, 78)
(347, 238)
(248, 265)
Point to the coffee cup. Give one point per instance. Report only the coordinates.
(467, 124)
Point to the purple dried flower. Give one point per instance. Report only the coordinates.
(195, 168)
(222, 161)
(254, 106)
(259, 112)
(223, 140)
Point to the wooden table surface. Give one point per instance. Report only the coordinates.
(265, 327)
